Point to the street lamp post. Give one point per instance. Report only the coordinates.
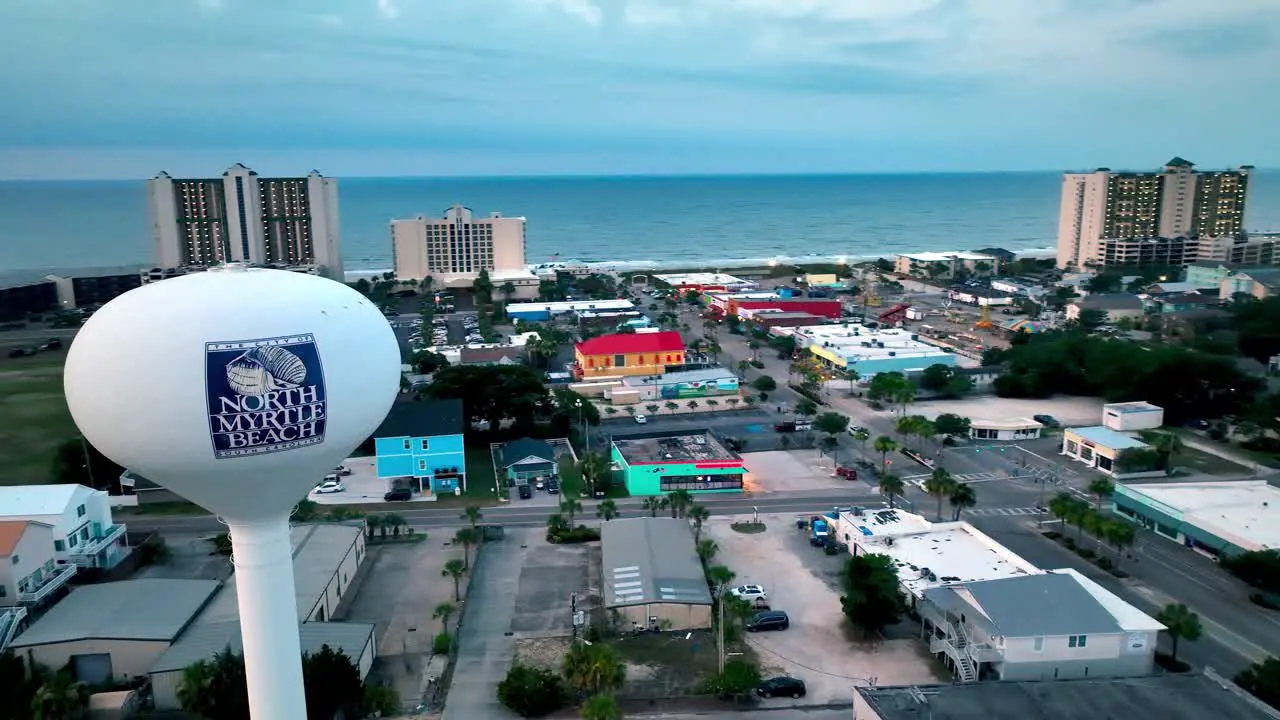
(586, 436)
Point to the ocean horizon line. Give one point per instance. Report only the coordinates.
(622, 176)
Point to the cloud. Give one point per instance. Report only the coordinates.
(583, 10)
(388, 9)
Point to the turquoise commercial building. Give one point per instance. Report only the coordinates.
(1220, 518)
(420, 447)
(660, 463)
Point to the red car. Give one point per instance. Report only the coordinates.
(847, 473)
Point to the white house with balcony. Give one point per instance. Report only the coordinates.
(84, 533)
(1057, 625)
(29, 572)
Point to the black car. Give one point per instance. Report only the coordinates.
(525, 492)
(553, 486)
(768, 620)
(1046, 420)
(397, 495)
(781, 687)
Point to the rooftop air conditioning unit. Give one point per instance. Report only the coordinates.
(891, 353)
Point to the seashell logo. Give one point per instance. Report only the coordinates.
(264, 395)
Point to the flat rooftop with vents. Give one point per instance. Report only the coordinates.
(929, 554)
(1243, 515)
(694, 446)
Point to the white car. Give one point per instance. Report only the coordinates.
(330, 486)
(342, 470)
(750, 592)
(640, 419)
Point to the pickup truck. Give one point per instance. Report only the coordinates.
(819, 529)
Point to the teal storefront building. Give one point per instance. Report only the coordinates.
(1221, 518)
(662, 463)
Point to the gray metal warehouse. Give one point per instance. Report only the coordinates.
(651, 573)
(114, 630)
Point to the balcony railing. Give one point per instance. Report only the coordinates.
(60, 576)
(85, 553)
(10, 619)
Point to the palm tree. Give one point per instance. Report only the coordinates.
(371, 523)
(601, 707)
(594, 468)
(828, 446)
(852, 376)
(607, 509)
(891, 486)
(468, 538)
(570, 506)
(707, 550)
(593, 669)
(1121, 537)
(1179, 623)
(472, 514)
(654, 504)
(454, 569)
(679, 502)
(395, 521)
(60, 698)
(962, 498)
(742, 368)
(939, 485)
(698, 514)
(720, 576)
(442, 613)
(885, 445)
(556, 523)
(508, 290)
(1101, 489)
(1167, 445)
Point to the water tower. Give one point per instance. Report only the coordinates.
(239, 389)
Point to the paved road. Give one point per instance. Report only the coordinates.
(759, 714)
(516, 516)
(1236, 632)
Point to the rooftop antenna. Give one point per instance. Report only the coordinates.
(238, 389)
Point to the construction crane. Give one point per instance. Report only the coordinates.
(984, 323)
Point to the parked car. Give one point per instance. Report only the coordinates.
(21, 352)
(768, 620)
(525, 492)
(792, 426)
(329, 486)
(1046, 420)
(640, 419)
(855, 429)
(397, 495)
(749, 592)
(781, 687)
(342, 470)
(53, 344)
(553, 486)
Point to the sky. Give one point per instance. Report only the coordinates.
(124, 88)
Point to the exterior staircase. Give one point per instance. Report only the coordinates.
(965, 668)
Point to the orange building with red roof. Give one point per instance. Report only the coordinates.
(628, 354)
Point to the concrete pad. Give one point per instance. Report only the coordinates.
(790, 471)
(401, 589)
(549, 575)
(1068, 410)
(819, 647)
(362, 486)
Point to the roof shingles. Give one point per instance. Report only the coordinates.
(625, 343)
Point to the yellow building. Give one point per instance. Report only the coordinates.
(640, 353)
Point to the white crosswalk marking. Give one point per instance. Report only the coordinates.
(1007, 511)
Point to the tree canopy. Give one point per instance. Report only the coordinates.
(871, 600)
(1186, 383)
(945, 381)
(216, 689)
(492, 392)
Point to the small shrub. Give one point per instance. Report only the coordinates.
(1085, 553)
(1052, 534)
(441, 644)
(383, 700)
(531, 692)
(1105, 563)
(1069, 542)
(572, 536)
(738, 677)
(757, 364)
(749, 528)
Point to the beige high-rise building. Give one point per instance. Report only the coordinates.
(1149, 218)
(453, 249)
(241, 217)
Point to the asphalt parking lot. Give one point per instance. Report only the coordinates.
(754, 426)
(790, 471)
(819, 647)
(549, 576)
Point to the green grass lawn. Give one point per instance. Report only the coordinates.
(34, 419)
(479, 474)
(1203, 462)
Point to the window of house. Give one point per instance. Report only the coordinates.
(423, 444)
(3, 591)
(1038, 645)
(72, 540)
(422, 465)
(80, 511)
(406, 444)
(84, 533)
(59, 545)
(1077, 641)
(16, 559)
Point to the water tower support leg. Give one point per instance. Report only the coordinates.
(263, 557)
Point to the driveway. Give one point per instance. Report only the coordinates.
(485, 644)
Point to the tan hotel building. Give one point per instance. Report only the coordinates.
(1174, 216)
(453, 249)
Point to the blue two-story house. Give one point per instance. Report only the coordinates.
(419, 446)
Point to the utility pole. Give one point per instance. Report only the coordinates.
(720, 630)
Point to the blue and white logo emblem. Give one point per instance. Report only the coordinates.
(264, 395)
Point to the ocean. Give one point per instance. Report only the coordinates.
(721, 221)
